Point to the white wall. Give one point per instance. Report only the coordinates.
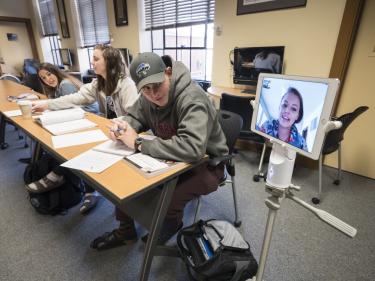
(21, 9)
(358, 150)
(15, 8)
(309, 35)
(21, 46)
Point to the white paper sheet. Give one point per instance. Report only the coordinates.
(114, 147)
(78, 138)
(13, 113)
(92, 161)
(70, 126)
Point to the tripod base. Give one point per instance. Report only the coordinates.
(259, 176)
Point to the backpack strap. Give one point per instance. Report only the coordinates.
(238, 274)
(54, 200)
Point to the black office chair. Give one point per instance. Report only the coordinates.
(231, 123)
(332, 143)
(241, 105)
(32, 81)
(30, 66)
(10, 77)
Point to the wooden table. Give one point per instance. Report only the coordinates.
(121, 183)
(216, 92)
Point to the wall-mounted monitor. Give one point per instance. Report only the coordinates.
(250, 62)
(66, 57)
(293, 110)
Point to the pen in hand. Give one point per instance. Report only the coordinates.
(116, 132)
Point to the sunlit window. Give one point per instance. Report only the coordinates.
(183, 30)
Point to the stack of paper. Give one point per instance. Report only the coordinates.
(59, 116)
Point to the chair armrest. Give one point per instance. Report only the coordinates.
(220, 159)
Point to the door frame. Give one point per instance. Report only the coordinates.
(345, 43)
(29, 29)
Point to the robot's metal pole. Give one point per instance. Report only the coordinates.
(273, 204)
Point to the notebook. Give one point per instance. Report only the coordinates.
(65, 121)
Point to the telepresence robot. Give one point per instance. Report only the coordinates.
(316, 96)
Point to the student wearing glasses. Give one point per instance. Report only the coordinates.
(114, 91)
(186, 126)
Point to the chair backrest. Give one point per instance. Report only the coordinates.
(231, 123)
(30, 66)
(334, 137)
(203, 84)
(10, 77)
(240, 105)
(32, 81)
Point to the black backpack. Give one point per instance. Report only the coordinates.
(214, 250)
(56, 201)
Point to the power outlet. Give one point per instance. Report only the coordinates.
(218, 29)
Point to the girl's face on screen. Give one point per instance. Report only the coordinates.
(48, 78)
(98, 63)
(289, 110)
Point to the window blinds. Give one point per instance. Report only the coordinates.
(93, 20)
(47, 17)
(173, 13)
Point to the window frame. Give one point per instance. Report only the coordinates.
(82, 42)
(190, 48)
(183, 16)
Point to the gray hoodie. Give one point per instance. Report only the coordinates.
(187, 128)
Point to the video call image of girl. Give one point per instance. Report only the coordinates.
(290, 113)
(290, 110)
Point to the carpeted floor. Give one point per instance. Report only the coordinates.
(36, 247)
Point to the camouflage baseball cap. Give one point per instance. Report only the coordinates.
(147, 68)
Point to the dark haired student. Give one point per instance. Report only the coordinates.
(113, 90)
(186, 124)
(56, 83)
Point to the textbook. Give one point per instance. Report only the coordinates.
(65, 121)
(149, 166)
(114, 147)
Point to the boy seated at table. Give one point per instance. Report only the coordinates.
(186, 124)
